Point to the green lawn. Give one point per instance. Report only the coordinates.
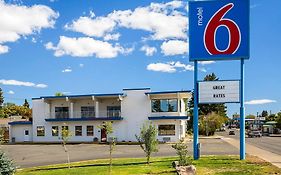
(209, 165)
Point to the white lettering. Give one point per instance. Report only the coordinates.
(200, 15)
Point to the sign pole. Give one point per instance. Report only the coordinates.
(195, 113)
(242, 114)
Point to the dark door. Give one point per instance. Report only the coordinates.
(103, 135)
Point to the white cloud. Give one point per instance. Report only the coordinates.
(260, 101)
(11, 92)
(169, 67)
(174, 47)
(4, 49)
(22, 83)
(18, 20)
(97, 27)
(149, 51)
(113, 37)
(67, 70)
(81, 65)
(86, 47)
(162, 20)
(206, 62)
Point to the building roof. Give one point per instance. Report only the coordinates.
(77, 96)
(168, 92)
(20, 123)
(169, 118)
(82, 119)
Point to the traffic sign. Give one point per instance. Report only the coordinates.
(219, 30)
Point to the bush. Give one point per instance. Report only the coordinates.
(7, 166)
(181, 149)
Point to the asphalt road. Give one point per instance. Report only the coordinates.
(272, 144)
(38, 155)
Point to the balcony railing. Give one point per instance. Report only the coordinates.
(84, 114)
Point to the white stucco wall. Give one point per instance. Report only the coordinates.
(135, 110)
(17, 132)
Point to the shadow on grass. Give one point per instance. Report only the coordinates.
(100, 164)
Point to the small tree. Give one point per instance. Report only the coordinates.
(65, 136)
(7, 166)
(59, 94)
(107, 126)
(148, 140)
(26, 104)
(181, 149)
(1, 98)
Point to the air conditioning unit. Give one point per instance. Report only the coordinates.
(166, 139)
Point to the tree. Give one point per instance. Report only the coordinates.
(7, 166)
(250, 116)
(205, 109)
(271, 117)
(109, 130)
(264, 113)
(148, 140)
(278, 120)
(65, 136)
(181, 149)
(59, 94)
(1, 98)
(26, 104)
(210, 123)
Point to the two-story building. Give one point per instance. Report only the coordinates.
(83, 114)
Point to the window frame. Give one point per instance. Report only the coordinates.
(43, 131)
(53, 133)
(78, 131)
(87, 130)
(168, 102)
(160, 133)
(86, 109)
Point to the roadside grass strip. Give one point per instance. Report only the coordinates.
(207, 165)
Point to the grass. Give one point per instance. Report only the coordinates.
(207, 165)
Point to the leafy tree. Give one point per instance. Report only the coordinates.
(109, 130)
(205, 109)
(181, 149)
(7, 166)
(271, 117)
(264, 113)
(148, 140)
(209, 123)
(278, 120)
(250, 116)
(65, 136)
(26, 104)
(59, 94)
(1, 98)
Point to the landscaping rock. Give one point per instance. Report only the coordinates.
(186, 170)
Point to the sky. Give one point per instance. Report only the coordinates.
(103, 46)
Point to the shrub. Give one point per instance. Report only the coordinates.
(181, 149)
(7, 166)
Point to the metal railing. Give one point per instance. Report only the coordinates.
(83, 114)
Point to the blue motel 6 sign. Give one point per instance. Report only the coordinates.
(219, 30)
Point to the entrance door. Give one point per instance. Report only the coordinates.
(26, 135)
(103, 135)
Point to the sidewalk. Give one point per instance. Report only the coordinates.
(255, 151)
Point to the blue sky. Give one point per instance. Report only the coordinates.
(103, 46)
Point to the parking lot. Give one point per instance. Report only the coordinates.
(39, 154)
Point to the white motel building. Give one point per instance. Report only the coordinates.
(83, 114)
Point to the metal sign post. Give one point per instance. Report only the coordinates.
(219, 30)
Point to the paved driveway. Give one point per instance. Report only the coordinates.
(37, 155)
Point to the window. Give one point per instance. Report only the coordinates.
(166, 130)
(40, 131)
(61, 112)
(78, 130)
(87, 111)
(90, 130)
(55, 131)
(113, 111)
(164, 105)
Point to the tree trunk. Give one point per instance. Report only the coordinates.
(68, 159)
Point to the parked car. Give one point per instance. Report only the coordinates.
(254, 134)
(231, 132)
